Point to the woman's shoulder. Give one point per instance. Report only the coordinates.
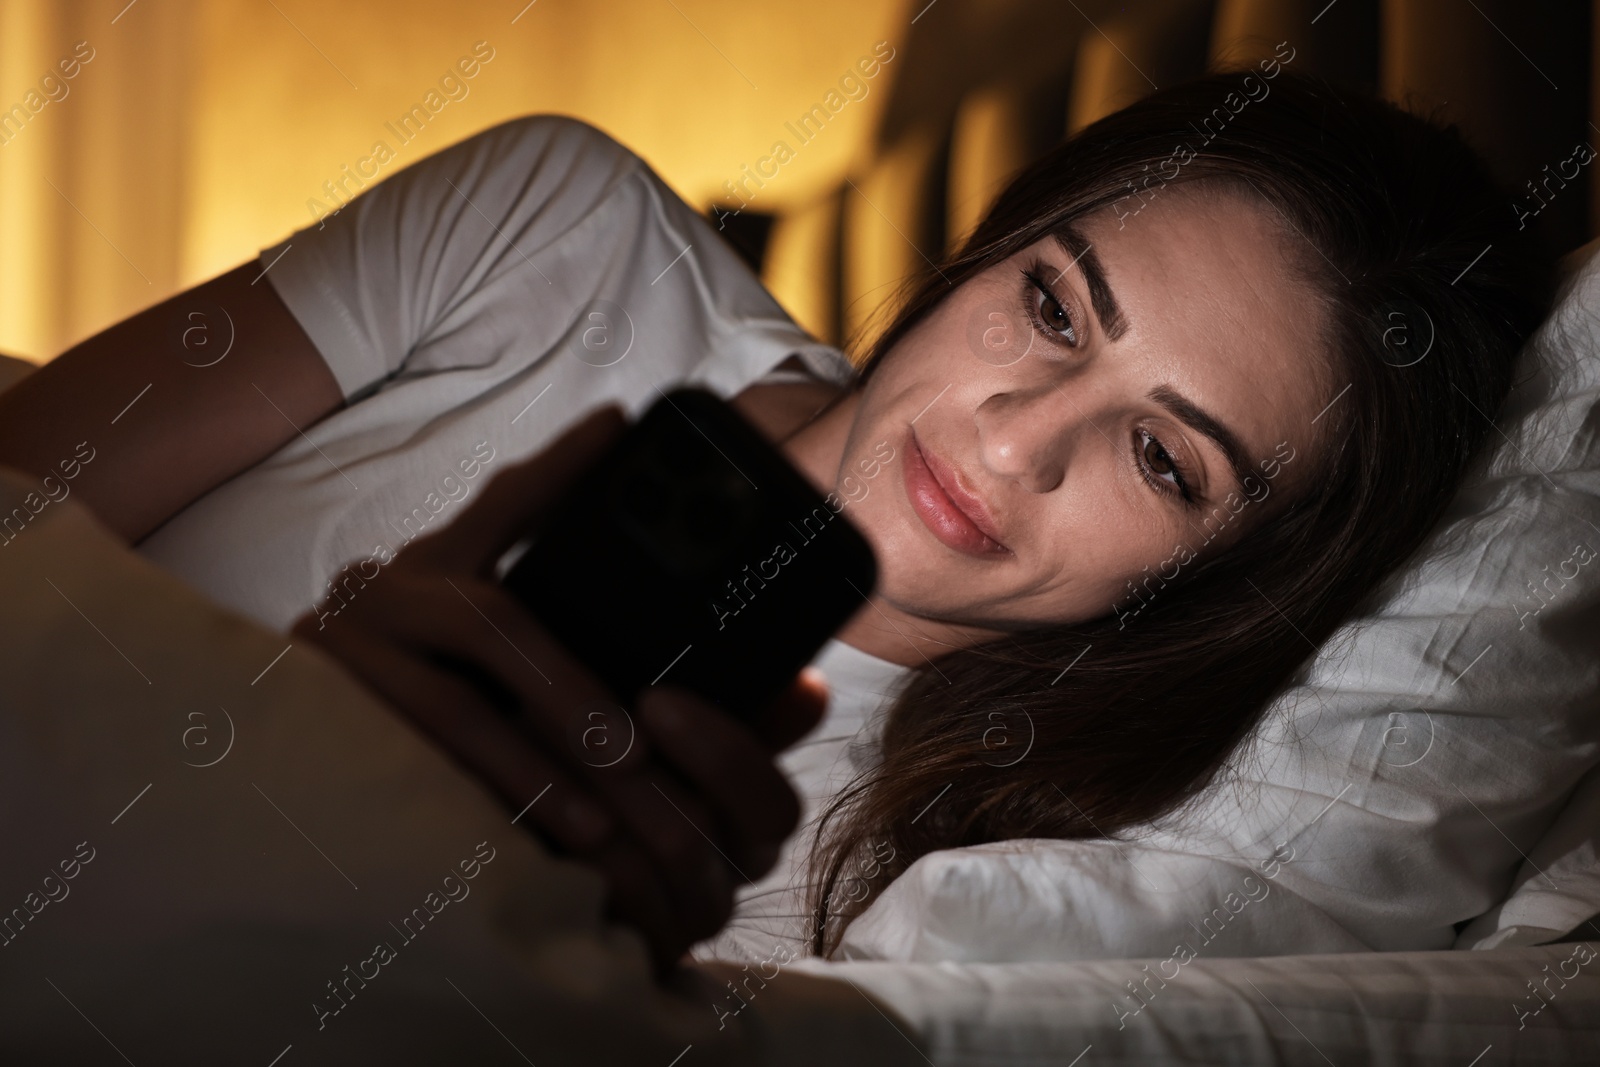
(552, 135)
(548, 165)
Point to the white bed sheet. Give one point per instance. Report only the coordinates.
(1370, 1008)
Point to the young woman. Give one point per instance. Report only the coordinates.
(1203, 375)
(1336, 285)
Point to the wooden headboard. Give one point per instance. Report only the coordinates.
(985, 86)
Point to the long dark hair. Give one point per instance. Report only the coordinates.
(1407, 241)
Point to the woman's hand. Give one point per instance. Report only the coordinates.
(693, 802)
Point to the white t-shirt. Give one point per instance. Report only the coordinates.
(453, 302)
(471, 307)
(771, 922)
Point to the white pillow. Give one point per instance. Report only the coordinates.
(1392, 794)
(1557, 889)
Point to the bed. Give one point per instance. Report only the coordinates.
(1457, 1008)
(207, 919)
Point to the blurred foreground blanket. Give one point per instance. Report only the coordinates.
(220, 848)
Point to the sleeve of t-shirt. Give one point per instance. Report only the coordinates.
(371, 278)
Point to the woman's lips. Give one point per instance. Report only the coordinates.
(939, 512)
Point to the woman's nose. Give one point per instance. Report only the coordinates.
(1030, 435)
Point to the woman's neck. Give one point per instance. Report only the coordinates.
(880, 628)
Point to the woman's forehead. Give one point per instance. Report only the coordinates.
(1216, 304)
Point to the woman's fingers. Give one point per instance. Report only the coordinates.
(477, 624)
(547, 699)
(679, 835)
(751, 807)
(511, 503)
(635, 896)
(725, 762)
(481, 630)
(468, 728)
(675, 892)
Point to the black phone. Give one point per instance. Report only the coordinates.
(694, 553)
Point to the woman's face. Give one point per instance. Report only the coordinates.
(1087, 414)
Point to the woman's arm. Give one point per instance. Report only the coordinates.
(168, 414)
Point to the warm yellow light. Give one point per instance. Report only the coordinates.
(201, 131)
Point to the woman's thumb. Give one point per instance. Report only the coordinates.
(517, 499)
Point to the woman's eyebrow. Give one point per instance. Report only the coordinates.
(1112, 322)
(1198, 420)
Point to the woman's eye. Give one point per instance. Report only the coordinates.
(1157, 462)
(1054, 315)
(1046, 311)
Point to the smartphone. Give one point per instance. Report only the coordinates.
(694, 553)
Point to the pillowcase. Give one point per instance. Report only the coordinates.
(1557, 888)
(1391, 795)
